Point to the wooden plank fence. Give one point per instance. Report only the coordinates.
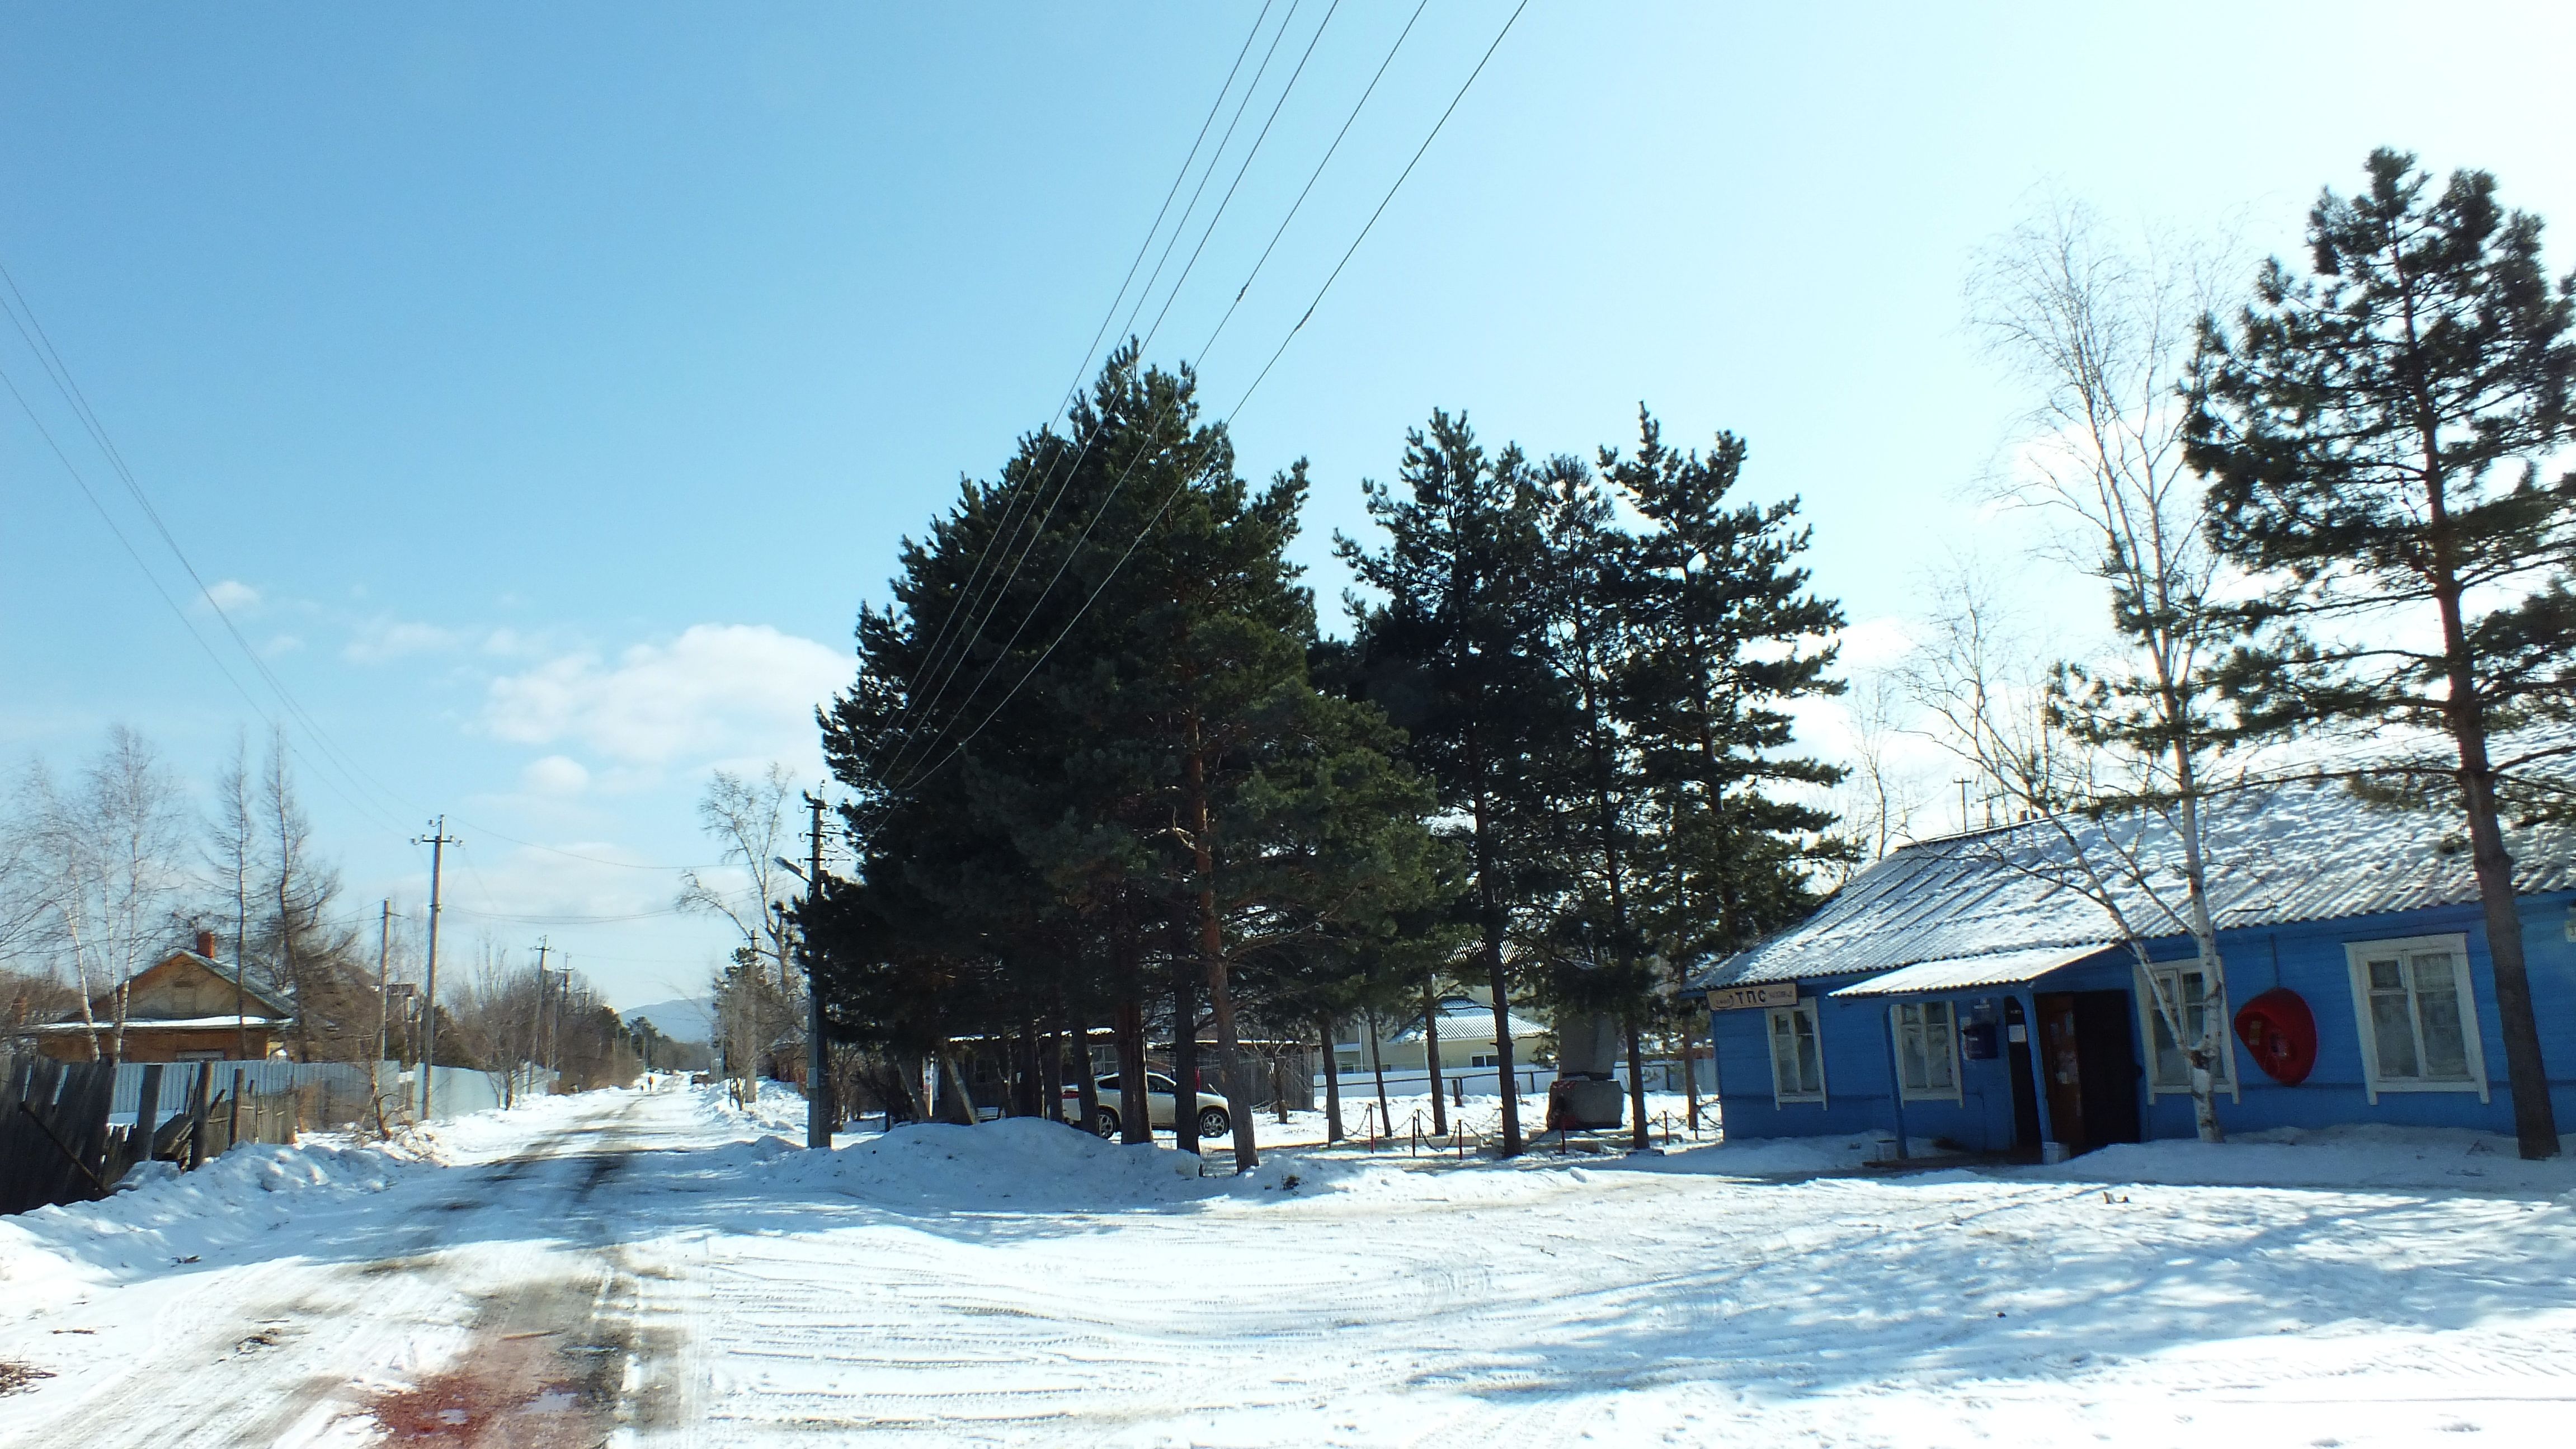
(58, 1143)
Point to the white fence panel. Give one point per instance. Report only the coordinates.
(349, 1089)
(1486, 1081)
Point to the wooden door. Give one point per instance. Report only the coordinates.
(2063, 1063)
(2105, 1039)
(2021, 1059)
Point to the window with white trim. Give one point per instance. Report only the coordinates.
(1927, 1049)
(1797, 1054)
(2168, 1069)
(2418, 1019)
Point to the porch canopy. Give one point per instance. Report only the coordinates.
(1952, 973)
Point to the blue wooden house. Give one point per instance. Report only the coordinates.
(1974, 989)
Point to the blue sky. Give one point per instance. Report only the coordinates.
(547, 387)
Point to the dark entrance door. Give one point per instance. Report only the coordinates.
(2092, 1068)
(2025, 1083)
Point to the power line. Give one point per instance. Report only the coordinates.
(894, 760)
(543, 918)
(1174, 495)
(59, 373)
(969, 594)
(31, 330)
(154, 580)
(939, 687)
(1381, 210)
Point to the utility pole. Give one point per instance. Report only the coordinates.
(384, 988)
(563, 998)
(540, 1024)
(818, 1116)
(437, 840)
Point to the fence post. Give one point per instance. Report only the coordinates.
(147, 1108)
(198, 1106)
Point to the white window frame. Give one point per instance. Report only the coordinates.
(1805, 1007)
(2229, 1079)
(1897, 1029)
(2357, 956)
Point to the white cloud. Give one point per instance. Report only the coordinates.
(380, 640)
(556, 775)
(509, 643)
(717, 691)
(232, 596)
(1875, 643)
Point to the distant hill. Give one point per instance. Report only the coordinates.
(680, 1019)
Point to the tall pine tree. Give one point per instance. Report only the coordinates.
(1456, 651)
(2374, 434)
(1731, 633)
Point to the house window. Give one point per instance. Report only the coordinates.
(1927, 1049)
(2419, 1023)
(1486, 1059)
(2188, 985)
(1797, 1054)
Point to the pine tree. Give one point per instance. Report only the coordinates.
(1597, 601)
(2374, 433)
(1457, 656)
(1729, 631)
(1148, 784)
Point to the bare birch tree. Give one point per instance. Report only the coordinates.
(231, 850)
(2102, 335)
(749, 819)
(107, 845)
(1878, 799)
(314, 954)
(2078, 820)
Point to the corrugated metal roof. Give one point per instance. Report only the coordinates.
(2000, 968)
(2305, 850)
(1478, 1027)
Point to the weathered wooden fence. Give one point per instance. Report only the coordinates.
(62, 1139)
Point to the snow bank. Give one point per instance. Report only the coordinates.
(1021, 1162)
(173, 1217)
(2369, 1155)
(779, 1107)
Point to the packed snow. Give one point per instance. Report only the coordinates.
(667, 1267)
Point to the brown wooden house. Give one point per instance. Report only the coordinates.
(184, 1009)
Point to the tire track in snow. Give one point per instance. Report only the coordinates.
(281, 1351)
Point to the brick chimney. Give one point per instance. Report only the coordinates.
(205, 943)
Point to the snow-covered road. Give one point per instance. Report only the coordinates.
(648, 1269)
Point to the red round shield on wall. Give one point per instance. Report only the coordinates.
(2280, 1034)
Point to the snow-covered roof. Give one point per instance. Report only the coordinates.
(2001, 968)
(1478, 1023)
(2304, 850)
(107, 1025)
(256, 983)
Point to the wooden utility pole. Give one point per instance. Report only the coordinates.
(563, 998)
(544, 1052)
(818, 1112)
(437, 840)
(384, 988)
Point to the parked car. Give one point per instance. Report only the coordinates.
(1162, 1095)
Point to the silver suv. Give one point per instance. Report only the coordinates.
(1162, 1095)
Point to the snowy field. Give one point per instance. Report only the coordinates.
(656, 1268)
